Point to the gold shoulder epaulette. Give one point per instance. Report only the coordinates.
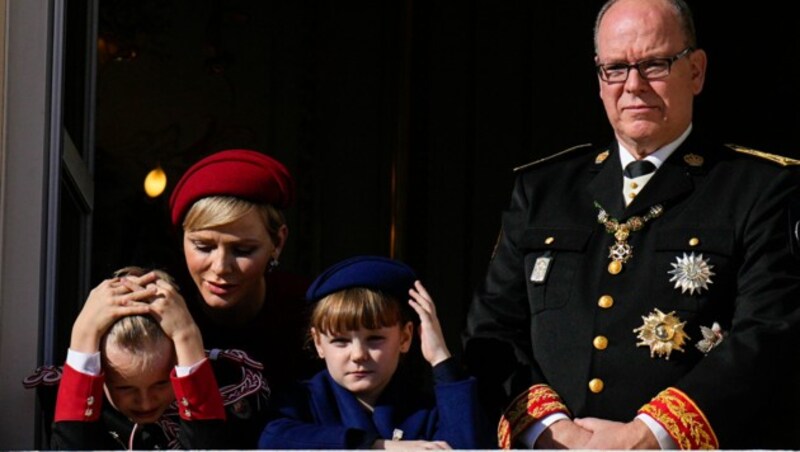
(779, 159)
(549, 157)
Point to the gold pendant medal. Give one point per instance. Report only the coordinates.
(622, 251)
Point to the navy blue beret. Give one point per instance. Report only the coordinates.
(371, 272)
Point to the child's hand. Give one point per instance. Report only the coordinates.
(408, 445)
(434, 348)
(108, 302)
(169, 309)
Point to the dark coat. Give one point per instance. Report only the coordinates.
(321, 414)
(738, 208)
(245, 395)
(113, 431)
(78, 425)
(275, 337)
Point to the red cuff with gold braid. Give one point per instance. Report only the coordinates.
(682, 419)
(197, 394)
(80, 396)
(538, 402)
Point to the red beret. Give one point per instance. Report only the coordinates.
(241, 173)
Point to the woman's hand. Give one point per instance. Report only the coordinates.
(107, 303)
(434, 348)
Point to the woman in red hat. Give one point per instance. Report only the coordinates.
(229, 207)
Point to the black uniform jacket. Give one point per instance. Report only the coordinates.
(244, 391)
(113, 432)
(721, 207)
(197, 420)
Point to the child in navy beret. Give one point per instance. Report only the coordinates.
(361, 326)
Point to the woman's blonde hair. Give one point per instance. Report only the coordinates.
(213, 211)
(355, 308)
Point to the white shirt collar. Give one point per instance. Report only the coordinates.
(657, 157)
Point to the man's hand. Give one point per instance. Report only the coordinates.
(564, 434)
(410, 445)
(618, 435)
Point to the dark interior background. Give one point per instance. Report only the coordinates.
(400, 120)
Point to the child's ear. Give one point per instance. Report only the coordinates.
(317, 342)
(406, 334)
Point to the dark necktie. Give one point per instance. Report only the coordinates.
(639, 168)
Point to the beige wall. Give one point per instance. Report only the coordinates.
(24, 53)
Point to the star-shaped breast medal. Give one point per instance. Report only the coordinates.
(663, 333)
(691, 273)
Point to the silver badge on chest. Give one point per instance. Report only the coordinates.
(540, 269)
(711, 338)
(691, 273)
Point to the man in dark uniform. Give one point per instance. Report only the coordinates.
(644, 294)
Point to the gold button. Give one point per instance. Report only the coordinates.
(634, 185)
(694, 241)
(187, 413)
(549, 240)
(693, 159)
(614, 267)
(88, 412)
(90, 400)
(596, 385)
(605, 302)
(185, 401)
(600, 342)
(632, 195)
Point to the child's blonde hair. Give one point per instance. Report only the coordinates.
(355, 308)
(138, 334)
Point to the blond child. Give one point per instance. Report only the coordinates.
(361, 326)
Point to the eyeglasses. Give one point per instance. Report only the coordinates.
(654, 69)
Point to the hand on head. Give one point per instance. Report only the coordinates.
(168, 308)
(109, 301)
(166, 304)
(434, 348)
(132, 294)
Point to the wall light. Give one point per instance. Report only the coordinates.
(155, 182)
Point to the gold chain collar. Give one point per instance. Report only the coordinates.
(621, 251)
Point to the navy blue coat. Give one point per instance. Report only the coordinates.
(321, 414)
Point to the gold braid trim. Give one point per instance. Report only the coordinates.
(532, 405)
(683, 420)
(779, 159)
